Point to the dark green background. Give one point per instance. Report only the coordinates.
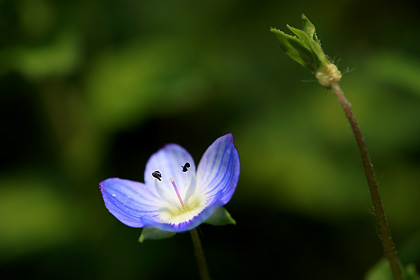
(90, 89)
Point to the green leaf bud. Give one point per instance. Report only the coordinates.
(306, 50)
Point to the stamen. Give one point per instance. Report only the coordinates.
(191, 189)
(185, 167)
(176, 190)
(157, 175)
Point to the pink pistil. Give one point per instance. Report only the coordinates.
(176, 190)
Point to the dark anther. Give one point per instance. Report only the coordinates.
(185, 167)
(157, 175)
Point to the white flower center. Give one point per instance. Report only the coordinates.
(177, 209)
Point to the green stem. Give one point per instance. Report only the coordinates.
(201, 261)
(374, 192)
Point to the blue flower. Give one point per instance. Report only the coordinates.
(175, 196)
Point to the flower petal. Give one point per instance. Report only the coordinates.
(130, 202)
(169, 161)
(218, 170)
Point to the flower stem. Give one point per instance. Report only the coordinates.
(201, 261)
(374, 192)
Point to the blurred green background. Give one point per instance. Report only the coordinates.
(90, 89)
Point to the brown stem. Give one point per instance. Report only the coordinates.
(374, 192)
(201, 261)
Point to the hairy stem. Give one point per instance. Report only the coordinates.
(374, 192)
(201, 261)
